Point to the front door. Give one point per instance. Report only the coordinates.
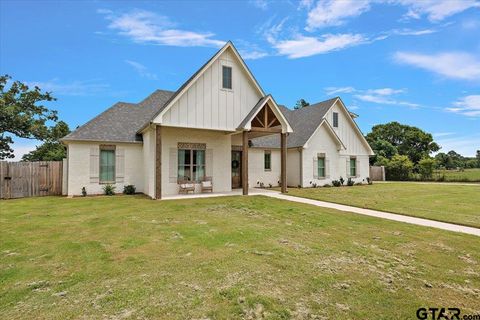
(236, 169)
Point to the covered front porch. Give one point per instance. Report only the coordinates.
(264, 119)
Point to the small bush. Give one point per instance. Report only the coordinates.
(327, 185)
(129, 189)
(425, 168)
(314, 184)
(350, 182)
(358, 184)
(336, 183)
(341, 180)
(369, 181)
(109, 190)
(84, 192)
(399, 168)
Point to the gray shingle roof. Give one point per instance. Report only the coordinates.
(120, 122)
(304, 122)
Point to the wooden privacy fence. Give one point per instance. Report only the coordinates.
(377, 173)
(30, 179)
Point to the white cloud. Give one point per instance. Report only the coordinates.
(468, 106)
(381, 99)
(411, 32)
(253, 54)
(147, 27)
(74, 88)
(333, 13)
(142, 70)
(302, 46)
(436, 10)
(456, 65)
(385, 91)
(330, 91)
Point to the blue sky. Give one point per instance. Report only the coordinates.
(416, 62)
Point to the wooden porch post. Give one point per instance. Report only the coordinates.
(283, 176)
(158, 162)
(245, 163)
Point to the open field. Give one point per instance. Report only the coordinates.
(442, 202)
(234, 257)
(468, 175)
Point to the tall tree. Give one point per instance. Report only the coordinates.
(301, 104)
(478, 158)
(21, 114)
(52, 149)
(408, 140)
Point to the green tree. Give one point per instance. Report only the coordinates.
(383, 150)
(478, 158)
(301, 104)
(52, 149)
(425, 168)
(398, 168)
(409, 141)
(21, 114)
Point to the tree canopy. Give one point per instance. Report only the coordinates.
(22, 114)
(52, 149)
(301, 104)
(394, 138)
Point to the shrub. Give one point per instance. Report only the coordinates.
(358, 184)
(399, 168)
(84, 192)
(314, 184)
(336, 183)
(350, 182)
(425, 168)
(109, 190)
(129, 189)
(341, 180)
(327, 185)
(369, 181)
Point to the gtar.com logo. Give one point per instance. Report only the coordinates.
(444, 314)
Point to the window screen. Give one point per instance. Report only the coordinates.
(107, 166)
(335, 119)
(227, 77)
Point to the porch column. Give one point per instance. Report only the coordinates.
(283, 176)
(158, 162)
(245, 163)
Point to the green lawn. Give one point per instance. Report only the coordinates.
(449, 203)
(224, 258)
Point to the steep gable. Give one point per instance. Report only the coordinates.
(202, 102)
(348, 130)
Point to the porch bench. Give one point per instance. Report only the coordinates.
(186, 186)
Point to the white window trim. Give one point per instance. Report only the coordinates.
(225, 63)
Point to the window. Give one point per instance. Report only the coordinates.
(321, 167)
(227, 77)
(335, 119)
(267, 160)
(353, 167)
(191, 164)
(107, 164)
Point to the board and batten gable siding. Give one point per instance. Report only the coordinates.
(346, 131)
(206, 105)
(83, 167)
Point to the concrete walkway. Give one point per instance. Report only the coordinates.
(377, 214)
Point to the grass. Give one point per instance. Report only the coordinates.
(467, 175)
(448, 203)
(224, 258)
